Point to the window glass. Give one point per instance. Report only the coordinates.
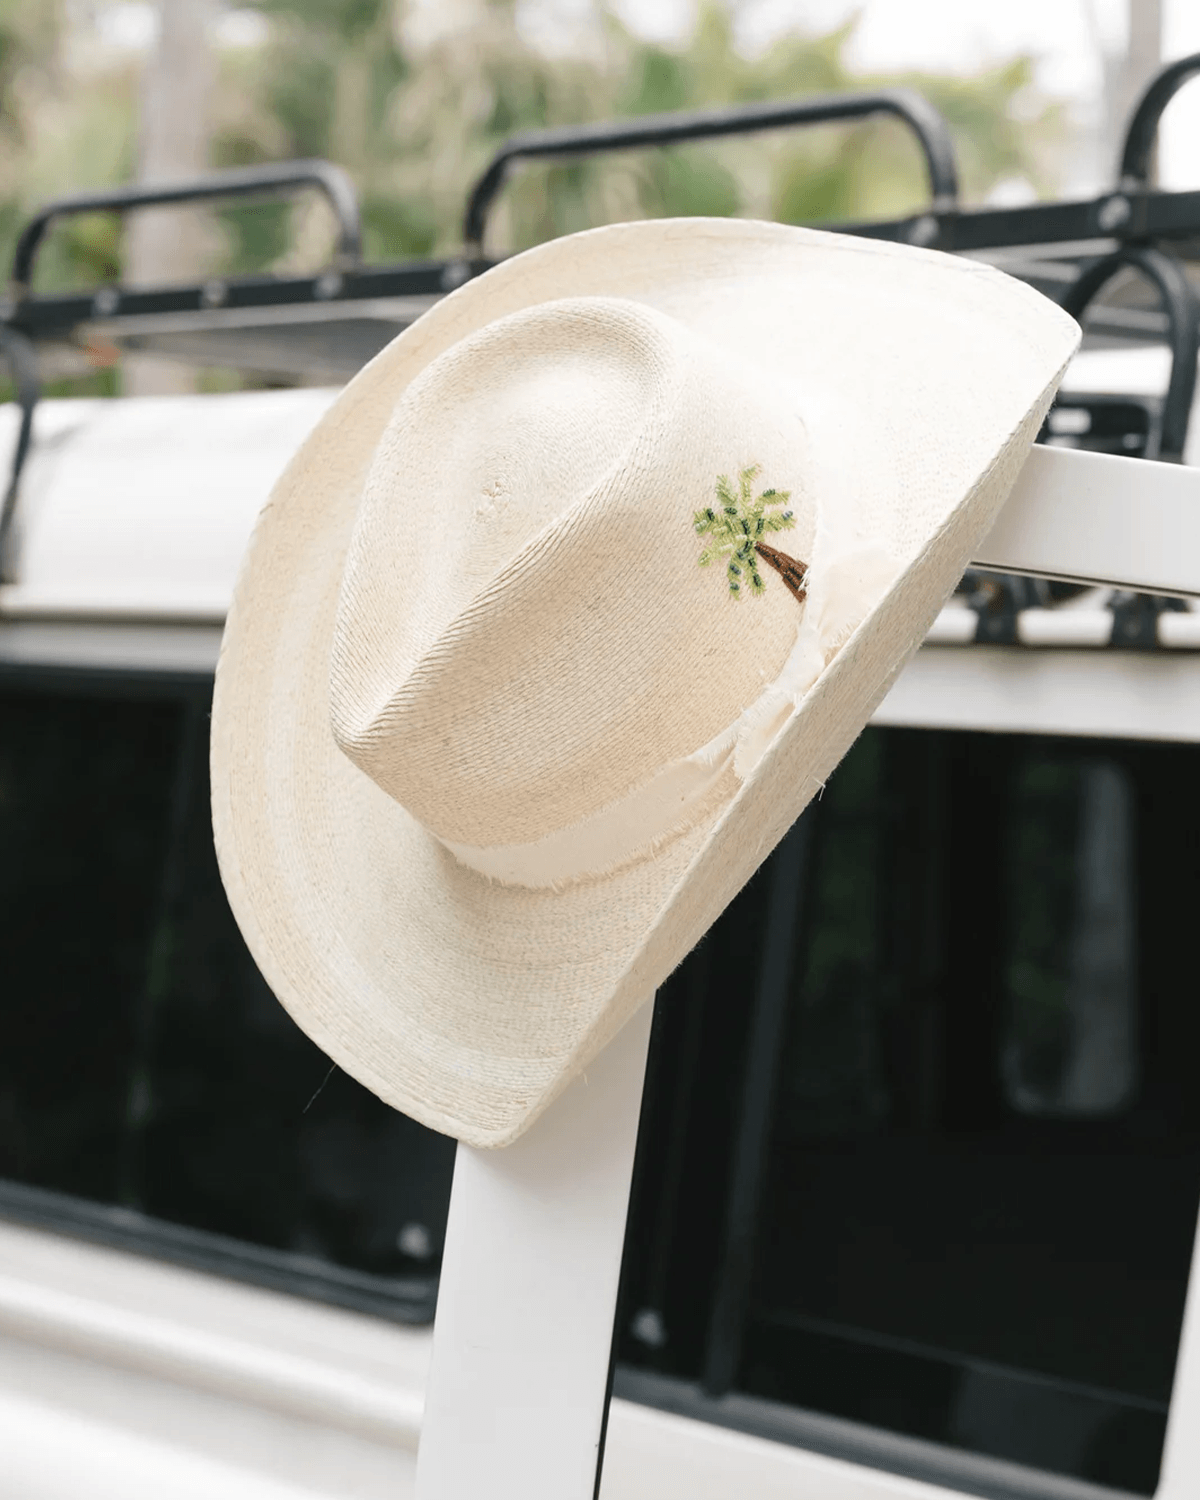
(982, 1173)
(85, 792)
(1071, 1044)
(147, 1067)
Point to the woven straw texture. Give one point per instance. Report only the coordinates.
(471, 620)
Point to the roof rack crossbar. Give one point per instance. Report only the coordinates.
(931, 130)
(237, 182)
(1142, 131)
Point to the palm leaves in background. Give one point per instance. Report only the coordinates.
(414, 112)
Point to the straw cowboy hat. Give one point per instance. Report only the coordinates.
(568, 607)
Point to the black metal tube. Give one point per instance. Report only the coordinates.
(1142, 130)
(1183, 330)
(23, 362)
(916, 112)
(238, 182)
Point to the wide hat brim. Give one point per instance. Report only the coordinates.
(468, 1004)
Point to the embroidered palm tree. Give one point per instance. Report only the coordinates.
(737, 525)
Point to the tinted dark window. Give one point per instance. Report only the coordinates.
(981, 1170)
(85, 790)
(147, 1067)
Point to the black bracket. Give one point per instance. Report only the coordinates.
(1161, 433)
(997, 599)
(916, 112)
(1135, 619)
(1168, 433)
(1142, 130)
(23, 361)
(239, 182)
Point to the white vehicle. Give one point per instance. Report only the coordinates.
(914, 1209)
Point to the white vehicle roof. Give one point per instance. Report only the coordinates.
(133, 516)
(140, 509)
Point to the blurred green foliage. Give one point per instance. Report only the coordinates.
(415, 113)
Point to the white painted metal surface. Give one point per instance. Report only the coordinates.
(1083, 622)
(528, 1286)
(1100, 519)
(1180, 1473)
(1007, 689)
(142, 508)
(162, 646)
(656, 1456)
(125, 1379)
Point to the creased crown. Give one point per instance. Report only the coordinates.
(524, 637)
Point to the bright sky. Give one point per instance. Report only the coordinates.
(950, 35)
(962, 35)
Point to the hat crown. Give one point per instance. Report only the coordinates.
(524, 637)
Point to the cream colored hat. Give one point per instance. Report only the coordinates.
(516, 694)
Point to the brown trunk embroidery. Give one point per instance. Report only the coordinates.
(790, 569)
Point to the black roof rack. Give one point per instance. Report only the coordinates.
(325, 325)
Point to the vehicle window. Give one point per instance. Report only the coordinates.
(148, 1070)
(979, 1177)
(1070, 1045)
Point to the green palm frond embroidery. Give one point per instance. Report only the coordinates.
(737, 525)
